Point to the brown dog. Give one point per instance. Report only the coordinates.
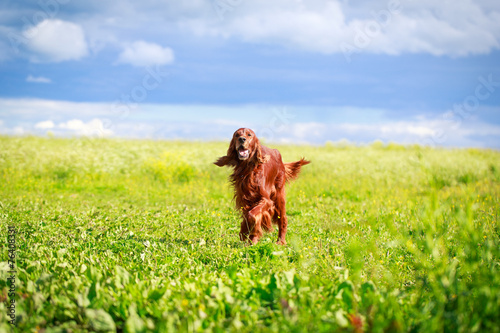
(259, 180)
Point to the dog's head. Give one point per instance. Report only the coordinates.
(244, 147)
(245, 143)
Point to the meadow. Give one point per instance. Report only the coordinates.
(142, 236)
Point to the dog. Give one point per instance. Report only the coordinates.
(259, 178)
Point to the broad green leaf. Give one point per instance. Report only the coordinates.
(100, 320)
(134, 324)
(341, 318)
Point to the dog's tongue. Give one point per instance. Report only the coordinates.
(243, 152)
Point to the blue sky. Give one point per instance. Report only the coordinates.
(296, 71)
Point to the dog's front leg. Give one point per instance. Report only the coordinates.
(254, 218)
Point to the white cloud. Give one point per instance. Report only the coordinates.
(458, 28)
(226, 122)
(56, 41)
(38, 79)
(18, 130)
(31, 108)
(165, 121)
(308, 131)
(95, 127)
(384, 26)
(438, 132)
(141, 53)
(48, 124)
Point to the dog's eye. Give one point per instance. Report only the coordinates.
(249, 134)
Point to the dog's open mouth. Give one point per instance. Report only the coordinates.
(243, 153)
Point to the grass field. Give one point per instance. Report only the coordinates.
(141, 236)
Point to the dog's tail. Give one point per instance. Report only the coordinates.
(292, 169)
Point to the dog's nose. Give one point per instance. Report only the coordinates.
(242, 139)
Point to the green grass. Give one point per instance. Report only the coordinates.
(141, 236)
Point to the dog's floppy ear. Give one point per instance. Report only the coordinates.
(231, 158)
(258, 153)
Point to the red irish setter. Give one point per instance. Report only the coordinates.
(259, 180)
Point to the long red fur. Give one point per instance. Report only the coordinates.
(259, 185)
